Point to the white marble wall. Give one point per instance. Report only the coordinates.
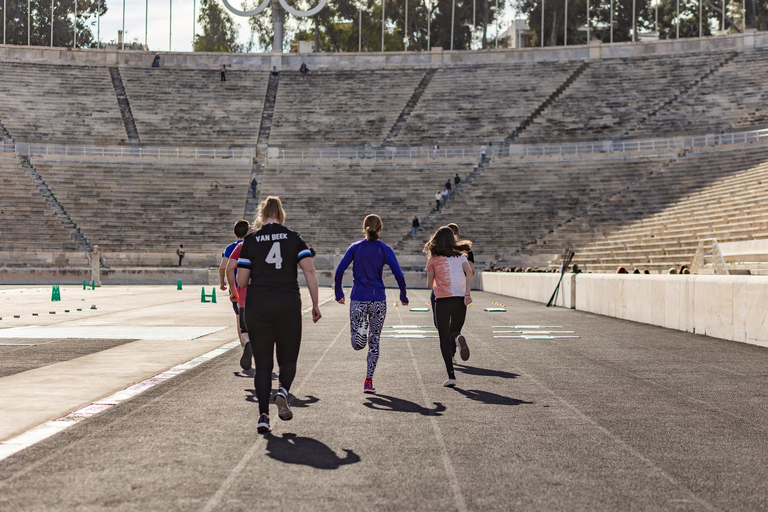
(378, 60)
(530, 286)
(728, 307)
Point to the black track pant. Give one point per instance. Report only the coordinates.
(450, 313)
(276, 316)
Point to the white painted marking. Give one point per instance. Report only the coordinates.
(458, 497)
(234, 475)
(613, 437)
(408, 327)
(18, 345)
(527, 326)
(408, 336)
(49, 428)
(538, 337)
(533, 332)
(110, 332)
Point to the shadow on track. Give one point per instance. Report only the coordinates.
(293, 400)
(484, 372)
(490, 398)
(293, 449)
(391, 403)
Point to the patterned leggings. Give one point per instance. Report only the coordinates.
(366, 319)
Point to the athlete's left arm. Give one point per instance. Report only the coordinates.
(469, 275)
(243, 277)
(310, 276)
(230, 272)
(430, 279)
(391, 260)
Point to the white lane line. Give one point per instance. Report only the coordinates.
(616, 439)
(49, 428)
(234, 475)
(458, 497)
(18, 344)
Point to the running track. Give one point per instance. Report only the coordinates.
(628, 416)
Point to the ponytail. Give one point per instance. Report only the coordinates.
(270, 208)
(371, 227)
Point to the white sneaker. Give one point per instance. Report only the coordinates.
(450, 383)
(284, 411)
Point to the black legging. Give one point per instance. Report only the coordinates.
(450, 313)
(434, 320)
(276, 317)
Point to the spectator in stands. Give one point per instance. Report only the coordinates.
(457, 183)
(621, 270)
(223, 72)
(304, 69)
(275, 72)
(672, 271)
(415, 225)
(483, 150)
(576, 269)
(636, 271)
(253, 187)
(646, 272)
(156, 62)
(448, 186)
(435, 149)
(446, 194)
(180, 253)
(683, 269)
(438, 199)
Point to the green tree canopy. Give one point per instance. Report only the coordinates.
(40, 22)
(219, 30)
(646, 16)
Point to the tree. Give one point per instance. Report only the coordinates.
(600, 16)
(63, 28)
(219, 30)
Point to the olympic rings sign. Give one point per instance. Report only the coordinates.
(288, 8)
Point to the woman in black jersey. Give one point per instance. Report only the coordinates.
(267, 266)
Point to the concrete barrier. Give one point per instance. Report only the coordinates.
(378, 60)
(728, 307)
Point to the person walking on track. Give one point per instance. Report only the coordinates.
(368, 307)
(450, 276)
(268, 268)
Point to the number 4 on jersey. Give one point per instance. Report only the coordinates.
(274, 256)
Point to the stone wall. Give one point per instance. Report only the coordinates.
(727, 307)
(376, 60)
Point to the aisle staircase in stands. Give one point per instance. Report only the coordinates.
(686, 90)
(57, 208)
(546, 103)
(265, 127)
(125, 107)
(408, 109)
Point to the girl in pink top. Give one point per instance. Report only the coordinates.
(449, 274)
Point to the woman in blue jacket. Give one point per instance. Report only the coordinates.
(368, 307)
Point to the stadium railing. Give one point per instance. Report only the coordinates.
(23, 148)
(494, 150)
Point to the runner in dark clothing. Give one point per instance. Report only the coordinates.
(268, 267)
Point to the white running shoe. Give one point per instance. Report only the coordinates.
(450, 383)
(284, 411)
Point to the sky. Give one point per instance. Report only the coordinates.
(161, 34)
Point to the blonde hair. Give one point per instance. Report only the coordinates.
(270, 208)
(371, 226)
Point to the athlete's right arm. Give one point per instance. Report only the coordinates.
(310, 276)
(222, 273)
(339, 275)
(430, 279)
(231, 266)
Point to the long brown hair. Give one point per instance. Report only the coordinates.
(371, 226)
(270, 208)
(445, 243)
